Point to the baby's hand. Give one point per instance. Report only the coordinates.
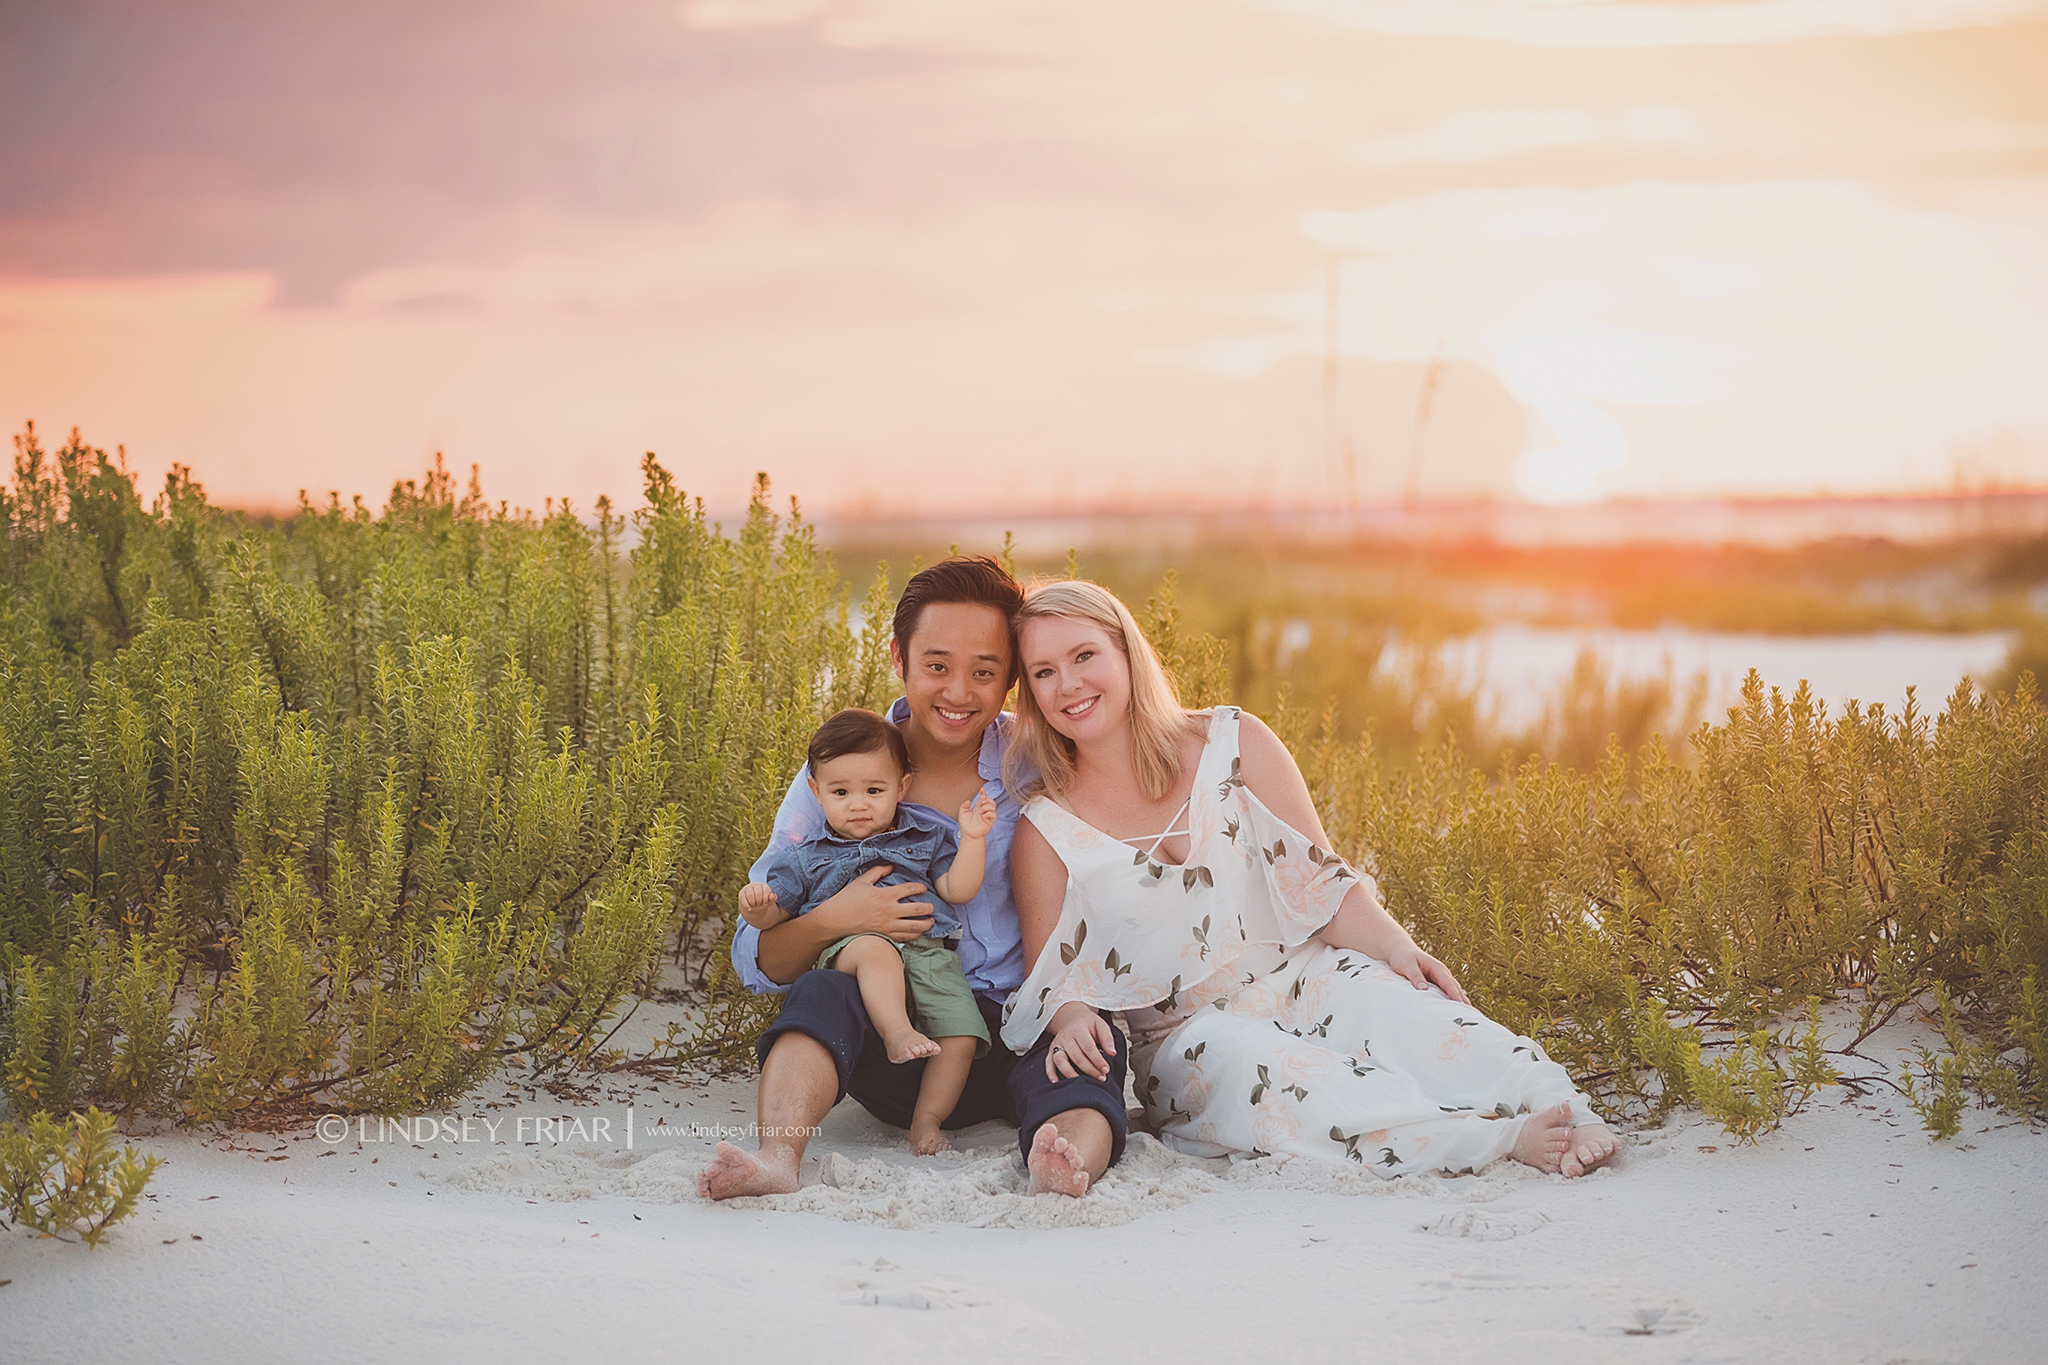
(759, 907)
(977, 817)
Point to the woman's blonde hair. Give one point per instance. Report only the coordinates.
(1159, 726)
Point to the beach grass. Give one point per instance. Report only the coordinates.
(349, 810)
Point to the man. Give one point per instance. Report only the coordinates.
(952, 646)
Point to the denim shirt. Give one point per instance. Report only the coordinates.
(918, 846)
(991, 941)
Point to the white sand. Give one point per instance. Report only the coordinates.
(1846, 1236)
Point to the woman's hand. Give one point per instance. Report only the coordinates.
(1424, 971)
(1082, 1042)
(1363, 924)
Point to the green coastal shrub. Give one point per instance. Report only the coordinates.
(64, 1179)
(1654, 922)
(347, 810)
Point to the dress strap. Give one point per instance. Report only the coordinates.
(1219, 765)
(1222, 727)
(1067, 832)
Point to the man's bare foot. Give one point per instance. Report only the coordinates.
(926, 1139)
(1591, 1146)
(1055, 1164)
(909, 1045)
(1545, 1138)
(733, 1172)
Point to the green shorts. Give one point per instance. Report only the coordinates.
(936, 990)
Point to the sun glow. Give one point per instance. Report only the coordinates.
(1178, 252)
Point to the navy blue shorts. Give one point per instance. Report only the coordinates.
(826, 1006)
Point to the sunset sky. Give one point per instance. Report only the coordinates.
(1015, 255)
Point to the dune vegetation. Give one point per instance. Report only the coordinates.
(348, 810)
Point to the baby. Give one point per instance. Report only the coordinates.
(860, 771)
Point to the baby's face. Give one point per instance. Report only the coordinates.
(859, 792)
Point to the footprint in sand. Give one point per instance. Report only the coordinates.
(1660, 1318)
(1487, 1225)
(841, 1174)
(885, 1290)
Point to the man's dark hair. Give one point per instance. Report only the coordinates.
(963, 578)
(854, 731)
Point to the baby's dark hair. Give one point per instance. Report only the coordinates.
(854, 731)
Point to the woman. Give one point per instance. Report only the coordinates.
(1172, 866)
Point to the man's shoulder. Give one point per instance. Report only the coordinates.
(995, 750)
(914, 821)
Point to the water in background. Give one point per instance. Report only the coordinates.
(1518, 668)
(1785, 523)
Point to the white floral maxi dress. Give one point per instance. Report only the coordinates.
(1250, 1037)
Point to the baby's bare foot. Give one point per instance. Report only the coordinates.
(1590, 1146)
(926, 1139)
(908, 1045)
(1545, 1138)
(733, 1172)
(1055, 1164)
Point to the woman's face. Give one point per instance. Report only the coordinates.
(1079, 678)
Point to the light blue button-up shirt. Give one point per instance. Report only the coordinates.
(991, 941)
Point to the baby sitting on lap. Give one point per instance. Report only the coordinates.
(859, 771)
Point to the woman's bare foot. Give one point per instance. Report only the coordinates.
(1591, 1146)
(733, 1172)
(926, 1139)
(1055, 1164)
(908, 1045)
(1545, 1138)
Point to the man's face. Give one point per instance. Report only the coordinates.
(955, 670)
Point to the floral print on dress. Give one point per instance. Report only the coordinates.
(1278, 895)
(1250, 1036)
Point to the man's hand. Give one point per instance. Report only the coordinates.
(759, 907)
(790, 949)
(977, 816)
(862, 907)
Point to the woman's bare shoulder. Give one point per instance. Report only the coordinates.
(1265, 760)
(1255, 733)
(1032, 847)
(1028, 835)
